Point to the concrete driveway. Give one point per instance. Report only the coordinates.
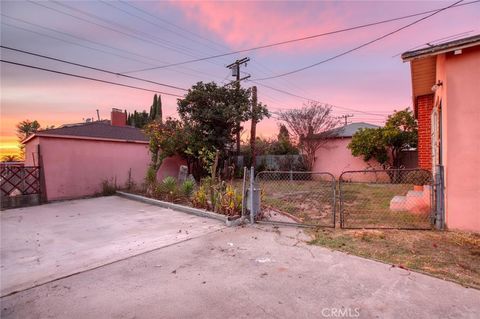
(255, 272)
(43, 243)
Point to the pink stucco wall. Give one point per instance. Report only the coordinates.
(460, 96)
(76, 168)
(334, 157)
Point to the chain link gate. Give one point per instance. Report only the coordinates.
(392, 198)
(297, 198)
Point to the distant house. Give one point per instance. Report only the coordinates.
(77, 158)
(335, 157)
(446, 96)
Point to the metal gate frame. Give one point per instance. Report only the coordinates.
(431, 183)
(290, 175)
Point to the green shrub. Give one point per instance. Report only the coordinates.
(200, 197)
(187, 188)
(169, 184)
(150, 179)
(218, 197)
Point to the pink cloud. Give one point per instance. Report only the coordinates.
(242, 24)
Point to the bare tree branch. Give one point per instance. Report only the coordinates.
(312, 125)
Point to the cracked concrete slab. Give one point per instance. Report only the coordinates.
(258, 272)
(42, 243)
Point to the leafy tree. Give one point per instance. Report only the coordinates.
(312, 125)
(166, 139)
(138, 119)
(384, 144)
(141, 119)
(156, 109)
(26, 128)
(208, 123)
(283, 134)
(283, 145)
(153, 109)
(212, 112)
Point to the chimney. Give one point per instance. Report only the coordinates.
(118, 117)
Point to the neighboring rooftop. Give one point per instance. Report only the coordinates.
(348, 130)
(442, 48)
(102, 130)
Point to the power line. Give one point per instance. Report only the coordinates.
(133, 32)
(170, 23)
(92, 68)
(110, 4)
(304, 38)
(144, 37)
(181, 47)
(223, 47)
(66, 41)
(360, 46)
(95, 43)
(139, 35)
(145, 80)
(88, 78)
(309, 99)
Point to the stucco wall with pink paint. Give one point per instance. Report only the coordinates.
(76, 168)
(31, 152)
(334, 157)
(461, 136)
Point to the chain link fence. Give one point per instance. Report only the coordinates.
(299, 198)
(393, 198)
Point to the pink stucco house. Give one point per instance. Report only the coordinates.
(76, 158)
(334, 156)
(446, 96)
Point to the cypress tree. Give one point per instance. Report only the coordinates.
(153, 109)
(159, 113)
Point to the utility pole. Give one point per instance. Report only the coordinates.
(235, 67)
(346, 116)
(253, 129)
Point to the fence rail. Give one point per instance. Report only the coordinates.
(393, 198)
(19, 180)
(299, 198)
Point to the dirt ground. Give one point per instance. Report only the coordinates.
(448, 255)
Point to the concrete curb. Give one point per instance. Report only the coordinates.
(183, 209)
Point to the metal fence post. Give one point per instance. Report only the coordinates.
(439, 198)
(252, 194)
(244, 200)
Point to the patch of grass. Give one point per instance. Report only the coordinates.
(368, 205)
(449, 255)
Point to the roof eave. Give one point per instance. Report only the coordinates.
(413, 55)
(83, 138)
(29, 138)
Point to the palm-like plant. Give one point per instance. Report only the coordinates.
(10, 158)
(26, 128)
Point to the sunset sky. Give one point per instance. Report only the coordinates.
(126, 36)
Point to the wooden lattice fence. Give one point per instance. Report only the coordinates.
(20, 185)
